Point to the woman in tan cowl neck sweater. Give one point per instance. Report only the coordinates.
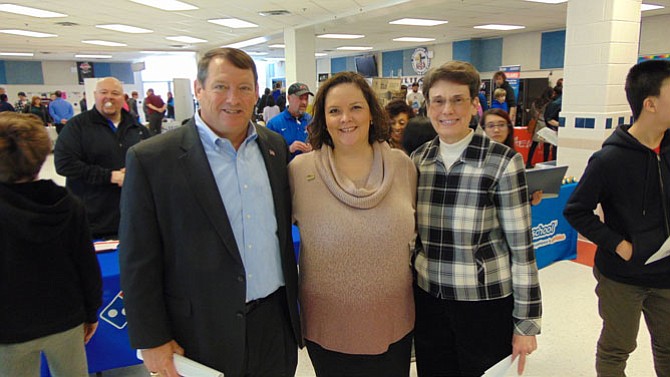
(354, 202)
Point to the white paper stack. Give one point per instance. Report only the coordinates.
(189, 368)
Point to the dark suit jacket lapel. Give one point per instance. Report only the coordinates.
(274, 166)
(199, 177)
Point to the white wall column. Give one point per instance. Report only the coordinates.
(601, 45)
(300, 60)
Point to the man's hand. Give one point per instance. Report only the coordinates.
(89, 330)
(522, 346)
(159, 359)
(300, 146)
(118, 176)
(625, 250)
(63, 121)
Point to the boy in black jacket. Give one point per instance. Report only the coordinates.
(630, 178)
(50, 281)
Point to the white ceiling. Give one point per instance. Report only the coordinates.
(368, 17)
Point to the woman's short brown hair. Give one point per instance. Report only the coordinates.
(34, 100)
(455, 71)
(379, 129)
(24, 145)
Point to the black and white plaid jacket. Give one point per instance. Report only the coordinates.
(474, 227)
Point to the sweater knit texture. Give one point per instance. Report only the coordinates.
(355, 277)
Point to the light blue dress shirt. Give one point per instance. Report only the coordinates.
(242, 180)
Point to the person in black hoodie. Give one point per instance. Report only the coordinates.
(630, 178)
(91, 153)
(50, 280)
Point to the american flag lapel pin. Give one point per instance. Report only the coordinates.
(272, 152)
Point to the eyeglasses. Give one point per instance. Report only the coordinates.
(490, 126)
(454, 102)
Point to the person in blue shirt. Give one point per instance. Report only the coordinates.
(60, 110)
(292, 123)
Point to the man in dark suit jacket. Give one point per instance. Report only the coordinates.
(206, 253)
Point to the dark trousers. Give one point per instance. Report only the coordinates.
(155, 122)
(272, 349)
(392, 363)
(460, 338)
(545, 152)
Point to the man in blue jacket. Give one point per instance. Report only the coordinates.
(630, 178)
(60, 110)
(292, 123)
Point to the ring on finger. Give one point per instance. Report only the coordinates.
(154, 374)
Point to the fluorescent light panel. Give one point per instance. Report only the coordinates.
(248, 42)
(413, 39)
(233, 23)
(277, 46)
(17, 54)
(104, 43)
(549, 1)
(341, 36)
(354, 48)
(186, 39)
(646, 7)
(92, 56)
(27, 33)
(318, 54)
(255, 53)
(124, 28)
(418, 22)
(499, 27)
(169, 5)
(27, 11)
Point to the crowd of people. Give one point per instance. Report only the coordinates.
(414, 218)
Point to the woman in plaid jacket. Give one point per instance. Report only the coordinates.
(477, 293)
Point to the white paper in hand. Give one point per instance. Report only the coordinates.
(662, 252)
(501, 368)
(189, 368)
(549, 135)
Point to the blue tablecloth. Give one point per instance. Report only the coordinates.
(554, 239)
(109, 348)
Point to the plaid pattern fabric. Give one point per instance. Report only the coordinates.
(475, 229)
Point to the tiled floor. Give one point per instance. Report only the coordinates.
(570, 329)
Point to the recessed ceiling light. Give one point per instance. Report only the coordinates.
(277, 46)
(413, 39)
(256, 53)
(27, 11)
(318, 54)
(646, 7)
(499, 27)
(28, 33)
(417, 22)
(17, 54)
(124, 28)
(354, 48)
(341, 36)
(92, 56)
(104, 43)
(166, 4)
(186, 39)
(549, 1)
(248, 42)
(233, 23)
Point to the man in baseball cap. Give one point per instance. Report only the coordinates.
(292, 123)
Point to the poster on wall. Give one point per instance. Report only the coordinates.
(642, 58)
(84, 71)
(513, 73)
